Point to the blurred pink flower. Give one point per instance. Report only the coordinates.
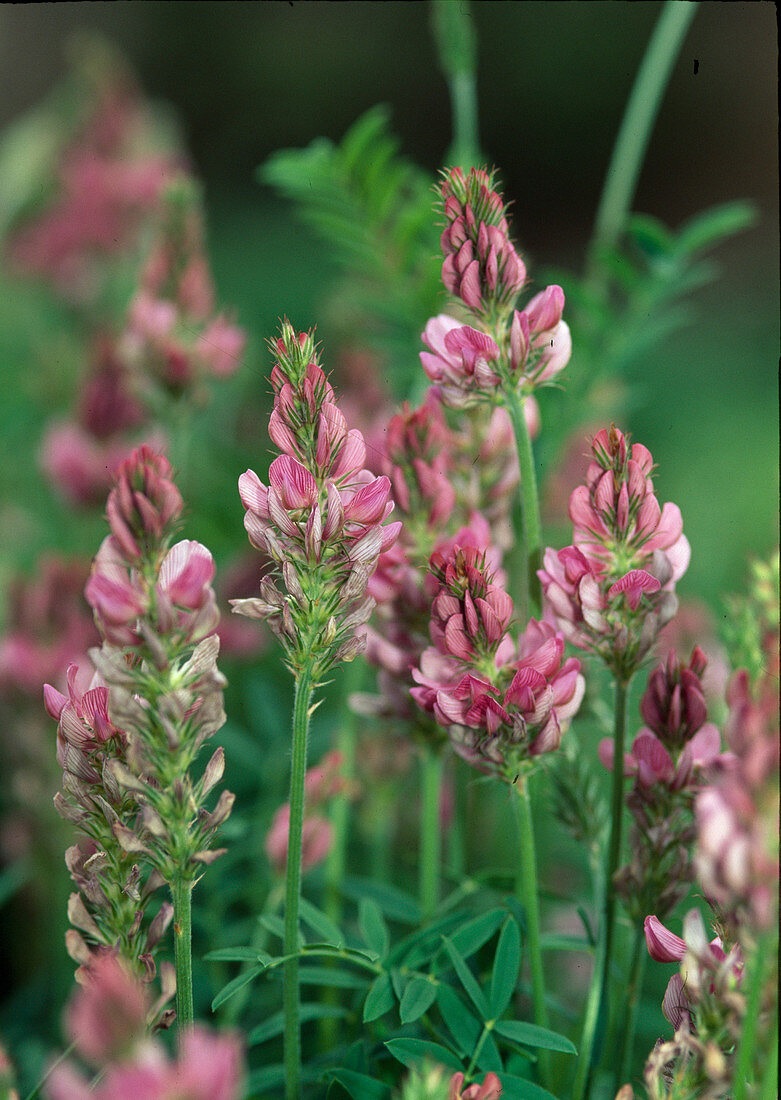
(491, 1088)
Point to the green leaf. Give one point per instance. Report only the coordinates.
(472, 936)
(534, 1036)
(411, 1051)
(373, 928)
(518, 1088)
(555, 942)
(266, 1078)
(711, 226)
(320, 923)
(275, 1024)
(331, 976)
(467, 979)
(274, 924)
(359, 1086)
(235, 985)
(507, 962)
(651, 235)
(379, 999)
(348, 954)
(463, 1026)
(237, 954)
(489, 1059)
(396, 904)
(418, 998)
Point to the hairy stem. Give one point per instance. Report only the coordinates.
(529, 897)
(637, 124)
(181, 895)
(292, 1043)
(430, 830)
(530, 535)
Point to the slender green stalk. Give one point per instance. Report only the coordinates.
(531, 528)
(457, 48)
(529, 896)
(430, 830)
(182, 895)
(292, 1042)
(769, 1087)
(637, 124)
(616, 827)
(337, 857)
(637, 969)
(50, 1070)
(595, 1003)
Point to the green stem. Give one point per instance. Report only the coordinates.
(637, 124)
(616, 827)
(430, 830)
(530, 535)
(337, 857)
(292, 1043)
(529, 896)
(182, 895)
(598, 988)
(457, 48)
(639, 955)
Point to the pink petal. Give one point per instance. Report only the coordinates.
(663, 945)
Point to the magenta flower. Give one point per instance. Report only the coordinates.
(612, 591)
(321, 518)
(491, 1088)
(499, 701)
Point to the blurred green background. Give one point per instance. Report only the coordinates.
(247, 79)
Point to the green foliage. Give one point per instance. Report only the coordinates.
(374, 209)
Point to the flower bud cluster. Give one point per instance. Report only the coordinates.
(156, 610)
(320, 518)
(114, 886)
(613, 589)
(737, 816)
(173, 336)
(482, 268)
(107, 1021)
(501, 702)
(321, 784)
(670, 760)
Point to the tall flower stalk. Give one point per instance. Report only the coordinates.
(156, 610)
(321, 520)
(610, 593)
(503, 703)
(508, 353)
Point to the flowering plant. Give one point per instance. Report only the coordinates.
(313, 778)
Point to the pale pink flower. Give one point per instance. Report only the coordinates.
(459, 360)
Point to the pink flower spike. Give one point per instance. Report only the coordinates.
(634, 584)
(663, 945)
